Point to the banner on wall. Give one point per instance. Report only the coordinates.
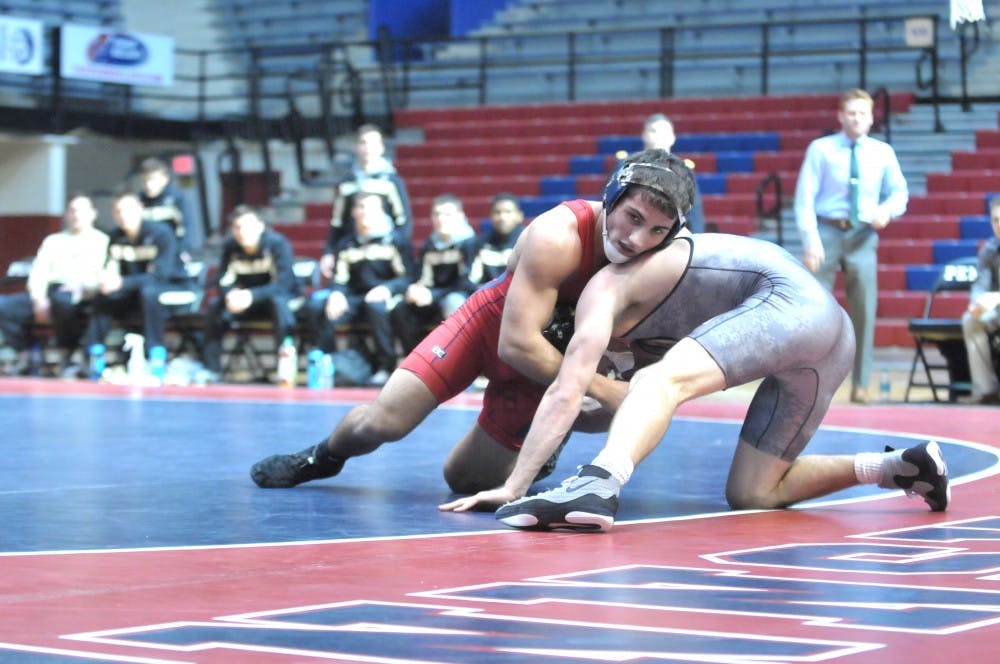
(110, 56)
(20, 45)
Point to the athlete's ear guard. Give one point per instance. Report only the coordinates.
(620, 180)
(623, 176)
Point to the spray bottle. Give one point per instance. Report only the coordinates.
(136, 345)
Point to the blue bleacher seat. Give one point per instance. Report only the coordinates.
(946, 251)
(558, 185)
(612, 144)
(712, 183)
(532, 206)
(922, 277)
(586, 165)
(975, 227)
(734, 161)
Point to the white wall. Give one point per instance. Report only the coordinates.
(32, 175)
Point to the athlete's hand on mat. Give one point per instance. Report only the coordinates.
(481, 502)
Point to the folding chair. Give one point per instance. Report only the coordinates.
(17, 273)
(307, 274)
(945, 333)
(184, 304)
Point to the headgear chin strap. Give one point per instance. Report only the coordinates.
(610, 250)
(613, 190)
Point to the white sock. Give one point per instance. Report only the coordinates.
(868, 467)
(618, 464)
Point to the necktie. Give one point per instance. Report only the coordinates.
(853, 186)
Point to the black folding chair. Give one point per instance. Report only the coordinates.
(951, 375)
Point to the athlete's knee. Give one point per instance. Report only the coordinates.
(752, 498)
(461, 480)
(373, 423)
(668, 385)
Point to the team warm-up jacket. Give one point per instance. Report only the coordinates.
(363, 264)
(395, 201)
(265, 273)
(494, 252)
(445, 268)
(170, 207)
(152, 255)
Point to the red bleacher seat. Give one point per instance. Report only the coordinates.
(983, 158)
(477, 152)
(980, 180)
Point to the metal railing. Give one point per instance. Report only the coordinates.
(342, 84)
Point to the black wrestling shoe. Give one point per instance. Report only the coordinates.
(588, 501)
(919, 471)
(283, 471)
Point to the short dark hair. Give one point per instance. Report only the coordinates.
(153, 165)
(125, 193)
(669, 189)
(444, 199)
(241, 210)
(504, 197)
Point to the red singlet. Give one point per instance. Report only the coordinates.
(464, 346)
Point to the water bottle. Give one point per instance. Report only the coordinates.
(136, 365)
(36, 361)
(314, 375)
(96, 361)
(328, 370)
(158, 363)
(288, 363)
(884, 386)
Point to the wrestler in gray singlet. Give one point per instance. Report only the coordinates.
(760, 314)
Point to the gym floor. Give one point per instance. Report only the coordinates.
(133, 533)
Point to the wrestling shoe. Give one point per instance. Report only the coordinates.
(283, 471)
(919, 471)
(588, 501)
(549, 466)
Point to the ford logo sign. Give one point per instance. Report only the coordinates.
(22, 46)
(117, 49)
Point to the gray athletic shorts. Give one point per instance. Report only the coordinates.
(803, 347)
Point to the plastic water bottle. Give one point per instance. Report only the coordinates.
(136, 346)
(328, 371)
(288, 363)
(158, 363)
(97, 361)
(884, 386)
(314, 375)
(36, 361)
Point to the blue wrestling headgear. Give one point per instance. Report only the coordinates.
(620, 180)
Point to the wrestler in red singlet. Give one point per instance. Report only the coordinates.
(464, 347)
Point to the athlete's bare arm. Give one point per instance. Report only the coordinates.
(595, 317)
(547, 254)
(562, 400)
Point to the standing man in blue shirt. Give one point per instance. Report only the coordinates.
(849, 187)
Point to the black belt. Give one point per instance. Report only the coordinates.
(842, 224)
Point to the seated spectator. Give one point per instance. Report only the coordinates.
(143, 261)
(373, 269)
(63, 280)
(372, 173)
(658, 132)
(982, 318)
(255, 280)
(443, 282)
(163, 201)
(497, 243)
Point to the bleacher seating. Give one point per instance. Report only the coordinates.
(714, 47)
(256, 23)
(545, 153)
